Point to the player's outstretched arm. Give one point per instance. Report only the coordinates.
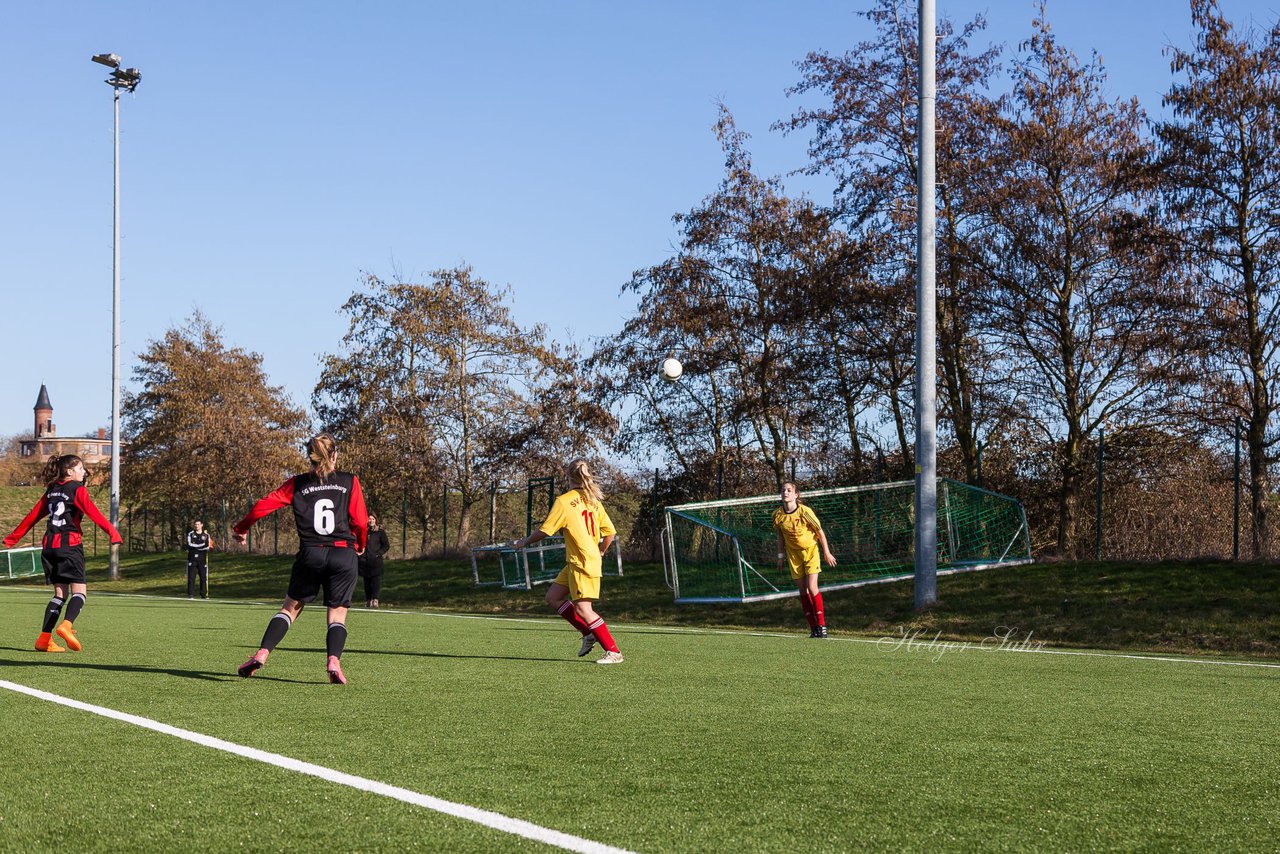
(266, 505)
(826, 551)
(85, 502)
(525, 542)
(36, 514)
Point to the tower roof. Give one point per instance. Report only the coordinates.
(42, 402)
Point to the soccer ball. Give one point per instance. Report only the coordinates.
(672, 370)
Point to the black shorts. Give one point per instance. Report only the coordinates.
(331, 568)
(64, 565)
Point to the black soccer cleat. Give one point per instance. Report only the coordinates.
(249, 667)
(821, 632)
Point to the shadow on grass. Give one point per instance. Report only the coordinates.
(351, 650)
(46, 660)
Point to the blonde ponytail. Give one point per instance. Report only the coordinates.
(322, 450)
(580, 478)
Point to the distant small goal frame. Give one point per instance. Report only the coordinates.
(744, 566)
(23, 562)
(540, 563)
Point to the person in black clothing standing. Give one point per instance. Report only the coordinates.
(371, 561)
(197, 560)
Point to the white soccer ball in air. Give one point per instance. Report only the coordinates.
(672, 370)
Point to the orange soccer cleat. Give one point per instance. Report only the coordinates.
(67, 632)
(46, 643)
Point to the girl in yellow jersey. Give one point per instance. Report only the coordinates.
(799, 537)
(588, 531)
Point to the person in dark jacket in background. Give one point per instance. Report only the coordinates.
(371, 561)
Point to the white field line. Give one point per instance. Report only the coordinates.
(953, 646)
(494, 820)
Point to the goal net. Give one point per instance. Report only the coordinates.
(726, 551)
(23, 562)
(540, 563)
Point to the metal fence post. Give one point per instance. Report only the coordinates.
(1235, 527)
(493, 510)
(1097, 544)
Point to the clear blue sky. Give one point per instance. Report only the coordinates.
(275, 150)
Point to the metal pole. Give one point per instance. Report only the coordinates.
(444, 522)
(113, 564)
(528, 512)
(1235, 528)
(653, 541)
(926, 492)
(493, 511)
(981, 445)
(404, 523)
(1097, 537)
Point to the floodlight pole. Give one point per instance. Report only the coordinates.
(114, 562)
(120, 78)
(926, 491)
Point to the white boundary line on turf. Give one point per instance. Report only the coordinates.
(493, 820)
(1083, 653)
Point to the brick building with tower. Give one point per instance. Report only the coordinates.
(94, 450)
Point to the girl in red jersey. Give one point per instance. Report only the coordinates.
(329, 509)
(65, 502)
(584, 521)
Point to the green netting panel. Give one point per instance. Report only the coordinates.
(727, 550)
(538, 564)
(23, 562)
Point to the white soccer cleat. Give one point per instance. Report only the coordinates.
(588, 644)
(610, 658)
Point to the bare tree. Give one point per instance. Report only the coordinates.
(1085, 303)
(1221, 153)
(436, 381)
(865, 137)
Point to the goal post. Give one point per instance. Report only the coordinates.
(499, 565)
(726, 551)
(21, 563)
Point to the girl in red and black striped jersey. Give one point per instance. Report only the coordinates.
(328, 507)
(65, 502)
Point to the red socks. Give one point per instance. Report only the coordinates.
(601, 631)
(598, 628)
(807, 604)
(812, 604)
(566, 610)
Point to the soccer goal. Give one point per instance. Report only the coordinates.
(540, 563)
(726, 551)
(23, 562)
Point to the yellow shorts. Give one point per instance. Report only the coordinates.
(580, 584)
(803, 562)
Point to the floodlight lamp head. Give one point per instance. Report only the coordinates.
(125, 78)
(110, 60)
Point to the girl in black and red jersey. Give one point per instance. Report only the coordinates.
(65, 502)
(329, 509)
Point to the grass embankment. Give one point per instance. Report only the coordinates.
(1202, 607)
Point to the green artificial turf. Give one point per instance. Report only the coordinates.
(702, 740)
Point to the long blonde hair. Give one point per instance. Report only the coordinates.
(322, 450)
(580, 478)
